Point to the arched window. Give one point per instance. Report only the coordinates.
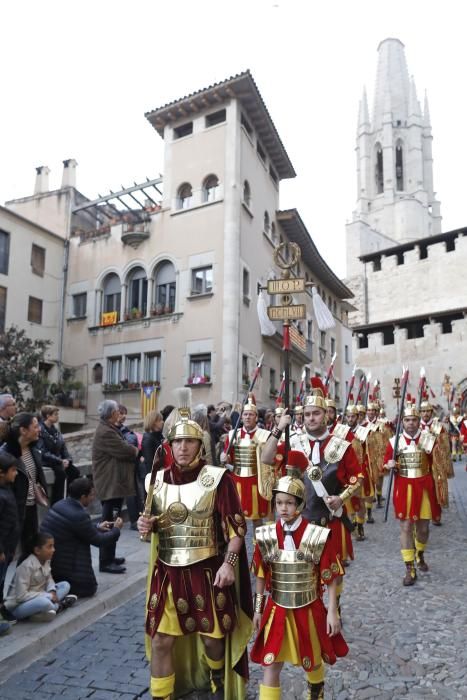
(273, 232)
(165, 287)
(137, 292)
(112, 294)
(185, 196)
(97, 373)
(379, 173)
(399, 166)
(211, 188)
(246, 193)
(267, 224)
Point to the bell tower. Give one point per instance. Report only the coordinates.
(395, 197)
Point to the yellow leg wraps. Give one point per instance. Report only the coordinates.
(408, 555)
(379, 491)
(215, 665)
(339, 588)
(360, 520)
(162, 687)
(267, 692)
(419, 546)
(316, 676)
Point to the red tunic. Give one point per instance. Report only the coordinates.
(265, 650)
(410, 509)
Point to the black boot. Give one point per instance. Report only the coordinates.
(217, 684)
(369, 517)
(380, 500)
(360, 533)
(315, 691)
(410, 574)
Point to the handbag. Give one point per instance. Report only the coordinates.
(40, 495)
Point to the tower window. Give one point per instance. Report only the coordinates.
(246, 193)
(215, 118)
(183, 130)
(379, 170)
(399, 167)
(185, 196)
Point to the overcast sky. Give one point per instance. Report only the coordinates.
(78, 77)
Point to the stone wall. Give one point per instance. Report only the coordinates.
(79, 444)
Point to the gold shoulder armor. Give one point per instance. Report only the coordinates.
(261, 435)
(341, 431)
(313, 541)
(335, 449)
(209, 477)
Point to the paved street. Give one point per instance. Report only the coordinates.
(404, 643)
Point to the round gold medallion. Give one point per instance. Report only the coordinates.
(334, 568)
(323, 521)
(306, 663)
(221, 600)
(326, 575)
(241, 531)
(199, 601)
(207, 481)
(238, 518)
(152, 624)
(353, 480)
(226, 622)
(153, 601)
(177, 512)
(315, 473)
(269, 659)
(190, 624)
(204, 624)
(182, 606)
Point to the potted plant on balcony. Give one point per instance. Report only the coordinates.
(135, 312)
(127, 316)
(167, 310)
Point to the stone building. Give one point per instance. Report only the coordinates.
(169, 296)
(403, 271)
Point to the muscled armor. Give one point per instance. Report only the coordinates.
(185, 518)
(413, 462)
(294, 582)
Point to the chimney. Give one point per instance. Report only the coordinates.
(42, 179)
(69, 173)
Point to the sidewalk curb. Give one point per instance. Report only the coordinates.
(18, 654)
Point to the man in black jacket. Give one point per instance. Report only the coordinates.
(74, 532)
(55, 452)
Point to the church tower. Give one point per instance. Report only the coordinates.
(396, 202)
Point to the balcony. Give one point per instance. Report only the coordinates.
(300, 348)
(134, 233)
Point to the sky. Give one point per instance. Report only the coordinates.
(77, 78)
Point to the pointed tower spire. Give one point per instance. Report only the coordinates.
(392, 83)
(426, 113)
(414, 105)
(363, 114)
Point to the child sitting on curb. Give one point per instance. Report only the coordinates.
(33, 593)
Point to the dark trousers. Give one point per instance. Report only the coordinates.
(30, 528)
(62, 475)
(111, 509)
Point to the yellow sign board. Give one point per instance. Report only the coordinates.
(109, 319)
(287, 313)
(289, 286)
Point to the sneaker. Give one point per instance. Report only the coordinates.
(5, 614)
(69, 600)
(46, 616)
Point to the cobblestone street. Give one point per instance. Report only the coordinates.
(404, 642)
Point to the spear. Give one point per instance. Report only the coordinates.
(421, 386)
(349, 391)
(302, 386)
(360, 388)
(405, 381)
(367, 393)
(330, 370)
(250, 389)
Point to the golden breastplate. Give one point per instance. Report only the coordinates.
(413, 462)
(246, 457)
(294, 582)
(185, 518)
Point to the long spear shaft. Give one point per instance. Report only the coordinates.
(405, 381)
(250, 389)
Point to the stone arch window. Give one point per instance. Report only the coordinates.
(267, 223)
(97, 373)
(379, 172)
(273, 232)
(399, 159)
(112, 294)
(165, 288)
(185, 196)
(210, 188)
(247, 193)
(137, 292)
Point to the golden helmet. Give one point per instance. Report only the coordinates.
(181, 425)
(425, 405)
(330, 403)
(373, 403)
(361, 408)
(279, 410)
(292, 483)
(410, 408)
(298, 410)
(250, 404)
(317, 396)
(351, 409)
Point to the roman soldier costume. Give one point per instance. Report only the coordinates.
(253, 479)
(295, 561)
(197, 511)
